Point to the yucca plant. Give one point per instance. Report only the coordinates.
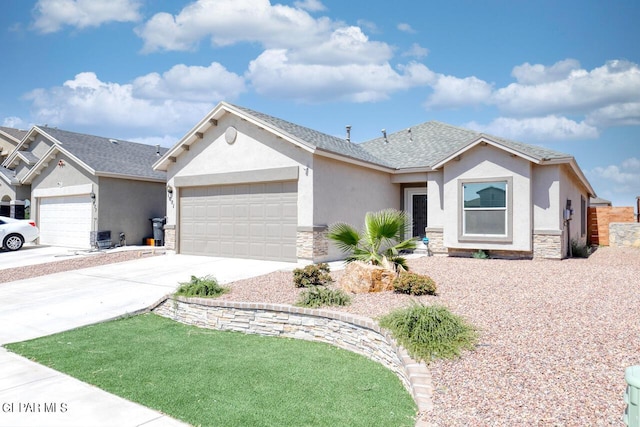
(380, 242)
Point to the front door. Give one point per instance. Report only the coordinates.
(415, 205)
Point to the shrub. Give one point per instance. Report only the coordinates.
(480, 254)
(318, 296)
(206, 286)
(578, 250)
(312, 275)
(430, 332)
(414, 284)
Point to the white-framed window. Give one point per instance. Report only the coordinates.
(486, 211)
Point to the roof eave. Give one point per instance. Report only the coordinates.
(483, 139)
(353, 160)
(210, 120)
(130, 177)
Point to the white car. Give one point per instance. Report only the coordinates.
(14, 232)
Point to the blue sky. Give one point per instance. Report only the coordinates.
(565, 75)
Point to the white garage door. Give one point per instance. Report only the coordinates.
(65, 221)
(256, 220)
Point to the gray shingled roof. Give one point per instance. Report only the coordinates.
(318, 139)
(16, 133)
(428, 143)
(9, 175)
(105, 155)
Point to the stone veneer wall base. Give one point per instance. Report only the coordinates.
(354, 333)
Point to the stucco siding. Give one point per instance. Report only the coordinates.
(58, 178)
(488, 163)
(253, 149)
(127, 205)
(547, 213)
(435, 200)
(40, 146)
(571, 189)
(345, 193)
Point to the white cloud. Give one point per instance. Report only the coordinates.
(227, 22)
(274, 75)
(624, 177)
(406, 28)
(528, 74)
(416, 51)
(616, 82)
(88, 101)
(347, 45)
(52, 15)
(452, 92)
(537, 128)
(310, 5)
(13, 122)
(190, 83)
(625, 114)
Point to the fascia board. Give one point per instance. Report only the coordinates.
(129, 177)
(481, 140)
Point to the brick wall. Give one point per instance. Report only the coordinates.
(354, 333)
(599, 218)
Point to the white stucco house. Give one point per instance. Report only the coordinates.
(242, 183)
(13, 196)
(86, 189)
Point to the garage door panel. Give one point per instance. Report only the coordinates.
(65, 221)
(249, 220)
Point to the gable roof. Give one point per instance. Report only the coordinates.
(8, 176)
(432, 143)
(427, 146)
(98, 155)
(306, 138)
(14, 134)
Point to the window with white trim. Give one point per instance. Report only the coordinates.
(484, 208)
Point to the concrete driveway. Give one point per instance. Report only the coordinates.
(45, 305)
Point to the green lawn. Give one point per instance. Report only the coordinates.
(214, 378)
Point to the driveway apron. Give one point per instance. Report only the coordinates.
(33, 395)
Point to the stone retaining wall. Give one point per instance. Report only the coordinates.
(624, 234)
(354, 333)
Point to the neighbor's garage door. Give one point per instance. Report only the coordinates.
(65, 221)
(241, 221)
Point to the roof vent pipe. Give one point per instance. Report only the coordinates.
(157, 149)
(410, 135)
(384, 134)
(348, 133)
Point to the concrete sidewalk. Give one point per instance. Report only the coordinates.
(33, 395)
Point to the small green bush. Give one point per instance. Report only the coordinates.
(206, 286)
(429, 332)
(312, 275)
(414, 284)
(480, 254)
(578, 250)
(318, 296)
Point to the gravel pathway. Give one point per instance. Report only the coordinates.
(556, 336)
(91, 260)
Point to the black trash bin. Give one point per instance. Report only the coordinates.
(158, 230)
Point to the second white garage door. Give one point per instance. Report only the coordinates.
(65, 221)
(257, 220)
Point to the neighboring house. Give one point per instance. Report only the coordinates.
(598, 202)
(83, 186)
(245, 184)
(13, 196)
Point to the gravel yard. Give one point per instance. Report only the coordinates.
(556, 336)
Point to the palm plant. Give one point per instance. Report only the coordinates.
(380, 242)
